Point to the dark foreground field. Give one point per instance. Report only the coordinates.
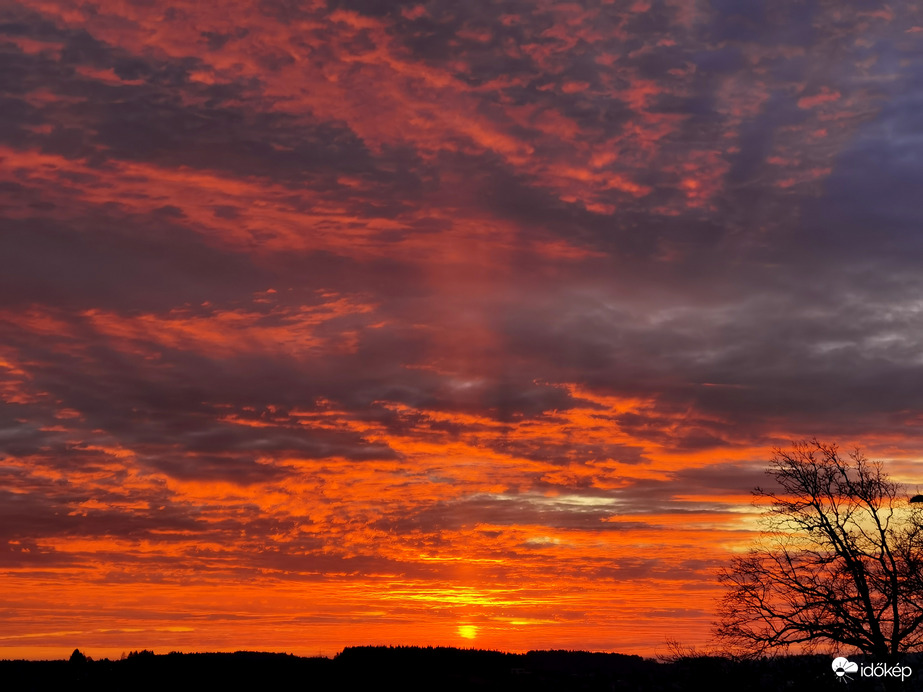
(441, 669)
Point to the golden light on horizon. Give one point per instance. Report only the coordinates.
(468, 631)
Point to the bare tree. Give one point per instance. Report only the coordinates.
(839, 561)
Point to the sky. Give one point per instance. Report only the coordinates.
(346, 322)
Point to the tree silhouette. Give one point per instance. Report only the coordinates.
(839, 561)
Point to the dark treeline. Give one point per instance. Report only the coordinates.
(443, 669)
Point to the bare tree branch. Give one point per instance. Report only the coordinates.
(839, 561)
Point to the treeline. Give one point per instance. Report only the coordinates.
(429, 668)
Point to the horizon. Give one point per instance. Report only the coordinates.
(667, 657)
(126, 653)
(435, 324)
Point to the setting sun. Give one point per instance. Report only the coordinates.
(468, 631)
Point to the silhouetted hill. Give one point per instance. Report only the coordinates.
(429, 668)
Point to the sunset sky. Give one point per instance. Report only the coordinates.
(346, 322)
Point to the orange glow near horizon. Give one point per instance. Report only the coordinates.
(515, 583)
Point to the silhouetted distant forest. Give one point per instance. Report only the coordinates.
(428, 668)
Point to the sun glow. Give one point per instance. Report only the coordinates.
(468, 631)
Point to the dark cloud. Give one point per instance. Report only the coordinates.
(116, 261)
(510, 510)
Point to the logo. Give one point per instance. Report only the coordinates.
(842, 667)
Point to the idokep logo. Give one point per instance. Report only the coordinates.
(843, 667)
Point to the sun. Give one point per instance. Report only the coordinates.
(468, 631)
